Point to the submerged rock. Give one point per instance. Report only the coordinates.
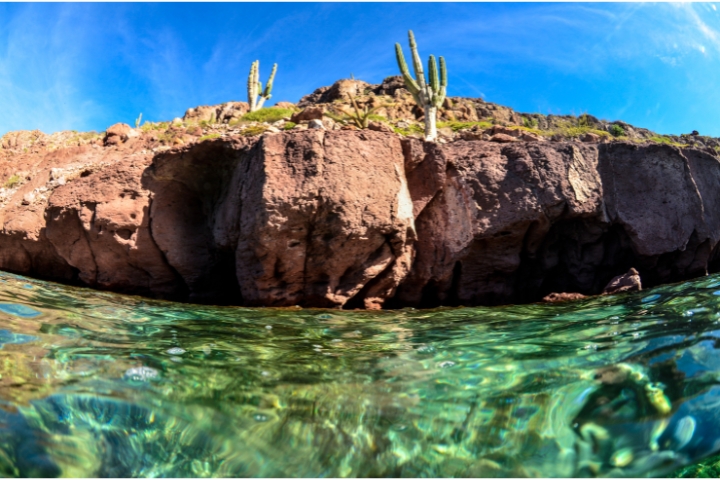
(628, 282)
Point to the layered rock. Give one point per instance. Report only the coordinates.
(360, 218)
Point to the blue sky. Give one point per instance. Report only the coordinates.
(87, 66)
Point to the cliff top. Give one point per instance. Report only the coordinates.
(387, 106)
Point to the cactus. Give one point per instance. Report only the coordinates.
(255, 86)
(428, 95)
(138, 120)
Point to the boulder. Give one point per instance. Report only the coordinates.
(227, 112)
(563, 297)
(380, 127)
(502, 130)
(309, 113)
(202, 113)
(337, 91)
(390, 85)
(118, 133)
(627, 282)
(503, 138)
(590, 137)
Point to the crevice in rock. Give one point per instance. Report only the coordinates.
(357, 301)
(183, 291)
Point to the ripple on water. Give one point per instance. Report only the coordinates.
(19, 310)
(527, 390)
(141, 374)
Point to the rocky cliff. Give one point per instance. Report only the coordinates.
(358, 218)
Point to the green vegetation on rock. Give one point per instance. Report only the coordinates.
(617, 131)
(254, 130)
(457, 126)
(268, 115)
(13, 181)
(209, 136)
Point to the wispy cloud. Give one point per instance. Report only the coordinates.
(41, 68)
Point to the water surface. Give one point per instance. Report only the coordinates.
(96, 384)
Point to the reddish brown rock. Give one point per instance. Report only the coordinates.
(358, 218)
(563, 297)
(380, 127)
(306, 238)
(590, 137)
(490, 219)
(627, 282)
(503, 138)
(118, 133)
(310, 113)
(100, 224)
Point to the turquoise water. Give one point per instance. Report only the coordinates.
(95, 384)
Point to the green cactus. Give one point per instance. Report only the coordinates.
(428, 95)
(138, 120)
(255, 86)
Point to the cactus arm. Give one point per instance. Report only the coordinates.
(410, 83)
(252, 85)
(417, 64)
(269, 84)
(443, 83)
(434, 89)
(443, 73)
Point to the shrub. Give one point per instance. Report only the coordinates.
(166, 137)
(377, 118)
(13, 181)
(255, 130)
(268, 115)
(617, 131)
(584, 120)
(289, 125)
(529, 122)
(209, 136)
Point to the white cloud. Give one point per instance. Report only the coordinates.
(41, 70)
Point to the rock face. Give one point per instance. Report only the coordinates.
(362, 219)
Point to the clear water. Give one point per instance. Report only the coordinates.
(95, 384)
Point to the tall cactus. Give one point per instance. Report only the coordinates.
(429, 95)
(255, 86)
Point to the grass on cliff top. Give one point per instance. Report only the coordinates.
(149, 126)
(269, 115)
(666, 140)
(209, 136)
(457, 126)
(570, 130)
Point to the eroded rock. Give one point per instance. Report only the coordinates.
(359, 218)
